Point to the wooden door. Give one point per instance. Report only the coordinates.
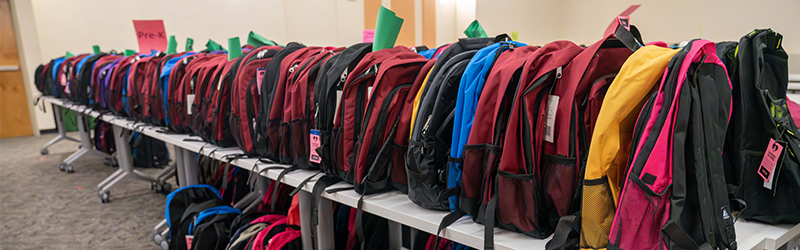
(15, 118)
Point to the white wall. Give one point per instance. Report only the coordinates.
(30, 58)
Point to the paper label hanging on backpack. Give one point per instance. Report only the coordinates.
(770, 160)
(151, 35)
(550, 122)
(189, 103)
(259, 76)
(189, 239)
(338, 100)
(314, 144)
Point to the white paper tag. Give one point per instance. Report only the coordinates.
(369, 93)
(189, 103)
(338, 100)
(549, 127)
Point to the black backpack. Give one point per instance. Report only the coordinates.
(104, 137)
(182, 204)
(148, 152)
(80, 89)
(330, 81)
(759, 73)
(212, 228)
(432, 130)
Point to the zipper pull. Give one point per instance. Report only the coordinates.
(427, 124)
(293, 67)
(316, 111)
(558, 72)
(343, 77)
(261, 54)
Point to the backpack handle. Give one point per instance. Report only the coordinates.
(502, 38)
(627, 34)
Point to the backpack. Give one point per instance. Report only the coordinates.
(245, 234)
(201, 71)
(216, 119)
(40, 77)
(177, 91)
(429, 145)
(167, 80)
(327, 97)
(760, 116)
(178, 203)
(485, 132)
(394, 76)
(272, 73)
(104, 137)
(212, 227)
(149, 87)
(469, 92)
(611, 140)
(276, 131)
(677, 158)
(299, 108)
(245, 96)
(81, 86)
(98, 79)
(148, 152)
(518, 171)
(116, 85)
(132, 100)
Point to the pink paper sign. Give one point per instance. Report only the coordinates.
(151, 35)
(369, 36)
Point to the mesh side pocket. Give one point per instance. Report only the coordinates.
(286, 143)
(299, 142)
(273, 139)
(399, 178)
(597, 213)
(560, 178)
(517, 205)
(472, 179)
(639, 218)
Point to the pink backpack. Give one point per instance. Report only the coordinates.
(677, 158)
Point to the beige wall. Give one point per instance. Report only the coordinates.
(52, 27)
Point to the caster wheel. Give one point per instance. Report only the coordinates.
(104, 196)
(166, 188)
(109, 162)
(165, 245)
(158, 238)
(68, 169)
(44, 151)
(62, 167)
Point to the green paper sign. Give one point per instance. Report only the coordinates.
(387, 27)
(475, 30)
(514, 36)
(257, 40)
(172, 45)
(235, 48)
(69, 54)
(211, 45)
(96, 49)
(130, 52)
(189, 43)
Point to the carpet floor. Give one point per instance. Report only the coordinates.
(44, 208)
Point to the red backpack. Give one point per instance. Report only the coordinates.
(176, 99)
(245, 96)
(136, 84)
(484, 145)
(395, 71)
(300, 109)
(521, 207)
(117, 83)
(203, 74)
(276, 129)
(150, 79)
(217, 116)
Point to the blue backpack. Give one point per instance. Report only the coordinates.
(469, 90)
